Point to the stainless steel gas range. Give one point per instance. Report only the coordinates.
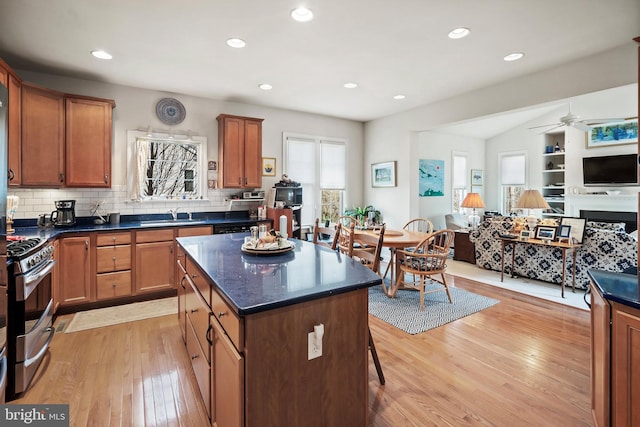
(30, 310)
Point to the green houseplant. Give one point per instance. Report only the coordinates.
(362, 214)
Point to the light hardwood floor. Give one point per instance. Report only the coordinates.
(522, 362)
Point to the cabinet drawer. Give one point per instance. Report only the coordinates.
(148, 236)
(233, 326)
(113, 258)
(198, 315)
(199, 280)
(201, 368)
(113, 285)
(112, 239)
(202, 230)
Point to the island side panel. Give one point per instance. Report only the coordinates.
(284, 388)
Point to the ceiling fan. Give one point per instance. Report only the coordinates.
(573, 120)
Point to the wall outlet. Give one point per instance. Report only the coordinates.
(315, 346)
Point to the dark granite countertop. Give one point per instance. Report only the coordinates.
(619, 287)
(28, 228)
(256, 283)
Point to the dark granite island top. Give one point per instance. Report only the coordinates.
(619, 287)
(255, 283)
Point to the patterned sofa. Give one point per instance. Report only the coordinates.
(606, 247)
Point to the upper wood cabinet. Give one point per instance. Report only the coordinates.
(88, 123)
(239, 151)
(14, 85)
(66, 139)
(42, 145)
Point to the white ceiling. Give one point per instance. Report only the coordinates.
(386, 47)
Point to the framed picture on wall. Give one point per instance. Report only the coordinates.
(268, 166)
(383, 174)
(477, 177)
(607, 134)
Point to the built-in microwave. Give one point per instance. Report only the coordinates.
(291, 196)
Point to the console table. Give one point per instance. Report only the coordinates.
(564, 247)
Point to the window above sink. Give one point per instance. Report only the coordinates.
(166, 166)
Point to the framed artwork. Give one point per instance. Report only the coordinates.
(383, 174)
(577, 228)
(524, 235)
(431, 178)
(477, 177)
(212, 165)
(268, 166)
(564, 232)
(607, 134)
(544, 232)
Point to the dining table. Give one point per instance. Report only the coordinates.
(394, 240)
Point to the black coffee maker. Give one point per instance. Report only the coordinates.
(65, 215)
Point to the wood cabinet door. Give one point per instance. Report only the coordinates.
(227, 379)
(75, 270)
(155, 267)
(625, 387)
(253, 153)
(88, 124)
(14, 129)
(42, 143)
(600, 358)
(231, 151)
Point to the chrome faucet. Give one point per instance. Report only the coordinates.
(174, 213)
(190, 217)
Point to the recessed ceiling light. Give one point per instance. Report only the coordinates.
(101, 54)
(458, 33)
(350, 85)
(302, 14)
(398, 97)
(265, 86)
(236, 42)
(514, 56)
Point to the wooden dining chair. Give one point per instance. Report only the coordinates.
(325, 236)
(421, 225)
(367, 252)
(347, 220)
(427, 259)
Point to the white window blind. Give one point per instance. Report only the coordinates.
(459, 171)
(512, 169)
(332, 166)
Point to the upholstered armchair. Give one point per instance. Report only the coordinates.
(456, 221)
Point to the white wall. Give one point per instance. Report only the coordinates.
(135, 109)
(390, 138)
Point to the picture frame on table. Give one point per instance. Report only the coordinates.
(383, 174)
(577, 228)
(268, 166)
(525, 235)
(608, 134)
(546, 232)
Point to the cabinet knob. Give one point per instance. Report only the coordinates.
(113, 285)
(195, 356)
(194, 310)
(114, 258)
(220, 314)
(61, 177)
(106, 179)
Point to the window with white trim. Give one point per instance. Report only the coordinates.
(319, 165)
(512, 179)
(458, 180)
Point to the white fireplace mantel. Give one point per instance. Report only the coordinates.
(574, 203)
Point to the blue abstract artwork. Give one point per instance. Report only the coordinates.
(431, 176)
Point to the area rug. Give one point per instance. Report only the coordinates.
(108, 316)
(404, 312)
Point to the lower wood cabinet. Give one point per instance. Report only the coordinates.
(113, 265)
(74, 279)
(155, 261)
(227, 380)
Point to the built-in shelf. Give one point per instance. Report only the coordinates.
(553, 179)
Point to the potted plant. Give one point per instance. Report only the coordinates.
(362, 214)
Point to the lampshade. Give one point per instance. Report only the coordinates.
(532, 199)
(472, 200)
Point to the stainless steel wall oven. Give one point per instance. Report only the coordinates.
(30, 324)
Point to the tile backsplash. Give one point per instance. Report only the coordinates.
(36, 201)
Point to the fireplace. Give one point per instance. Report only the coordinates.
(629, 218)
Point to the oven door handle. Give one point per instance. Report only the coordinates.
(43, 350)
(32, 279)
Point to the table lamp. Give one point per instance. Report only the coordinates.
(474, 201)
(532, 199)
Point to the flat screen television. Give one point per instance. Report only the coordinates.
(610, 170)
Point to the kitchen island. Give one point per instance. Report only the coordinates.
(255, 347)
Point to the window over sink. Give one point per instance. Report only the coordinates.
(166, 167)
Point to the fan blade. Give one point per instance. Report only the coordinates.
(603, 121)
(549, 130)
(546, 126)
(582, 126)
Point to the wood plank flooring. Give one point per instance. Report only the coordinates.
(522, 362)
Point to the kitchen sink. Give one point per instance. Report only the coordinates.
(171, 222)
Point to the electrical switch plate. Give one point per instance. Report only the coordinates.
(314, 350)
